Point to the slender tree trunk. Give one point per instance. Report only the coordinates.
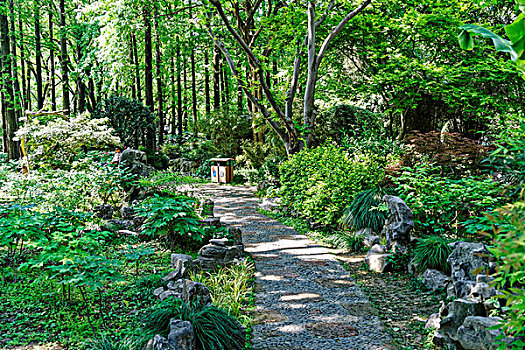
(207, 82)
(81, 87)
(19, 107)
(7, 82)
(132, 63)
(22, 61)
(52, 62)
(38, 57)
(63, 57)
(222, 81)
(240, 105)
(194, 92)
(148, 63)
(160, 97)
(173, 98)
(216, 78)
(179, 93)
(185, 95)
(137, 67)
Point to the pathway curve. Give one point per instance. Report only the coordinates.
(305, 299)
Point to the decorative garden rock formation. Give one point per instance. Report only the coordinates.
(219, 253)
(376, 258)
(270, 204)
(369, 238)
(482, 290)
(398, 226)
(454, 314)
(180, 337)
(211, 221)
(104, 211)
(466, 258)
(475, 334)
(135, 162)
(195, 292)
(434, 279)
(182, 264)
(127, 213)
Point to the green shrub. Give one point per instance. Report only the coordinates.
(214, 328)
(398, 261)
(320, 183)
(365, 211)
(171, 217)
(444, 206)
(130, 119)
(509, 249)
(431, 252)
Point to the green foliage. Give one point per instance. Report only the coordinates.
(444, 206)
(338, 121)
(320, 183)
(214, 328)
(156, 320)
(366, 211)
(230, 288)
(398, 261)
(509, 249)
(172, 217)
(129, 118)
(431, 252)
(58, 142)
(106, 343)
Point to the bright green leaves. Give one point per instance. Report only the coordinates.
(467, 42)
(515, 31)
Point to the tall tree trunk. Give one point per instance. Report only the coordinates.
(52, 61)
(7, 82)
(132, 64)
(173, 98)
(81, 87)
(194, 92)
(179, 93)
(207, 82)
(63, 57)
(160, 97)
(19, 106)
(216, 78)
(22, 60)
(222, 81)
(38, 58)
(185, 96)
(148, 63)
(137, 66)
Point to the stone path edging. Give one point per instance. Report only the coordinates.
(305, 299)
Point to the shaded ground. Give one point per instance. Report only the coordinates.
(400, 303)
(305, 298)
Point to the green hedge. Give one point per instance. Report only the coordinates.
(320, 183)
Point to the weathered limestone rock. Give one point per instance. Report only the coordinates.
(127, 213)
(219, 252)
(398, 226)
(376, 258)
(182, 336)
(462, 289)
(211, 221)
(270, 204)
(182, 265)
(235, 235)
(195, 292)
(219, 241)
(482, 291)
(433, 321)
(453, 315)
(466, 258)
(135, 162)
(159, 343)
(369, 238)
(104, 211)
(435, 280)
(475, 335)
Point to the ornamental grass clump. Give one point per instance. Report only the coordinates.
(365, 211)
(431, 252)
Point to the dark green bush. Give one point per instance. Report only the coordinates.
(431, 252)
(365, 211)
(130, 119)
(444, 206)
(320, 183)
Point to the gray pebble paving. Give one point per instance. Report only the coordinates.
(305, 299)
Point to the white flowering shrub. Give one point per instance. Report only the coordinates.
(59, 141)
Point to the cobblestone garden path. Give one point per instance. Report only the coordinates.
(305, 299)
